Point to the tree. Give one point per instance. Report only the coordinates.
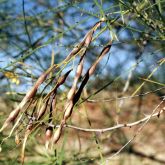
(62, 48)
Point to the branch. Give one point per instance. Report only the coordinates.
(121, 98)
(140, 128)
(114, 127)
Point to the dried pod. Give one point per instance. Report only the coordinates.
(68, 110)
(41, 79)
(71, 94)
(10, 118)
(29, 95)
(78, 74)
(85, 42)
(57, 134)
(33, 91)
(75, 50)
(90, 72)
(88, 38)
(103, 52)
(62, 79)
(42, 110)
(80, 67)
(74, 97)
(48, 136)
(89, 35)
(48, 133)
(97, 24)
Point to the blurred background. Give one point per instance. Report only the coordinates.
(127, 85)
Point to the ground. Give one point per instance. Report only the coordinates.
(78, 147)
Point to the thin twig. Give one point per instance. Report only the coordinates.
(140, 128)
(114, 127)
(122, 98)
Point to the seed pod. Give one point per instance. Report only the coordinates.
(57, 134)
(71, 93)
(74, 96)
(62, 79)
(78, 74)
(68, 110)
(85, 42)
(97, 24)
(103, 52)
(48, 133)
(13, 115)
(41, 79)
(42, 110)
(10, 118)
(88, 38)
(90, 72)
(29, 95)
(48, 136)
(34, 89)
(80, 67)
(75, 50)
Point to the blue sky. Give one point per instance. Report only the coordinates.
(121, 55)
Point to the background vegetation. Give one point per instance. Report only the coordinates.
(127, 85)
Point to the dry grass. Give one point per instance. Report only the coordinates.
(80, 147)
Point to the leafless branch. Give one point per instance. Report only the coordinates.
(114, 127)
(122, 98)
(140, 128)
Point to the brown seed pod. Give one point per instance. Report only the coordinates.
(74, 97)
(57, 134)
(42, 110)
(29, 95)
(48, 136)
(90, 71)
(85, 42)
(62, 79)
(12, 116)
(103, 52)
(48, 133)
(78, 74)
(68, 110)
(71, 93)
(88, 38)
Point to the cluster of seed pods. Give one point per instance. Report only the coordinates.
(50, 99)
